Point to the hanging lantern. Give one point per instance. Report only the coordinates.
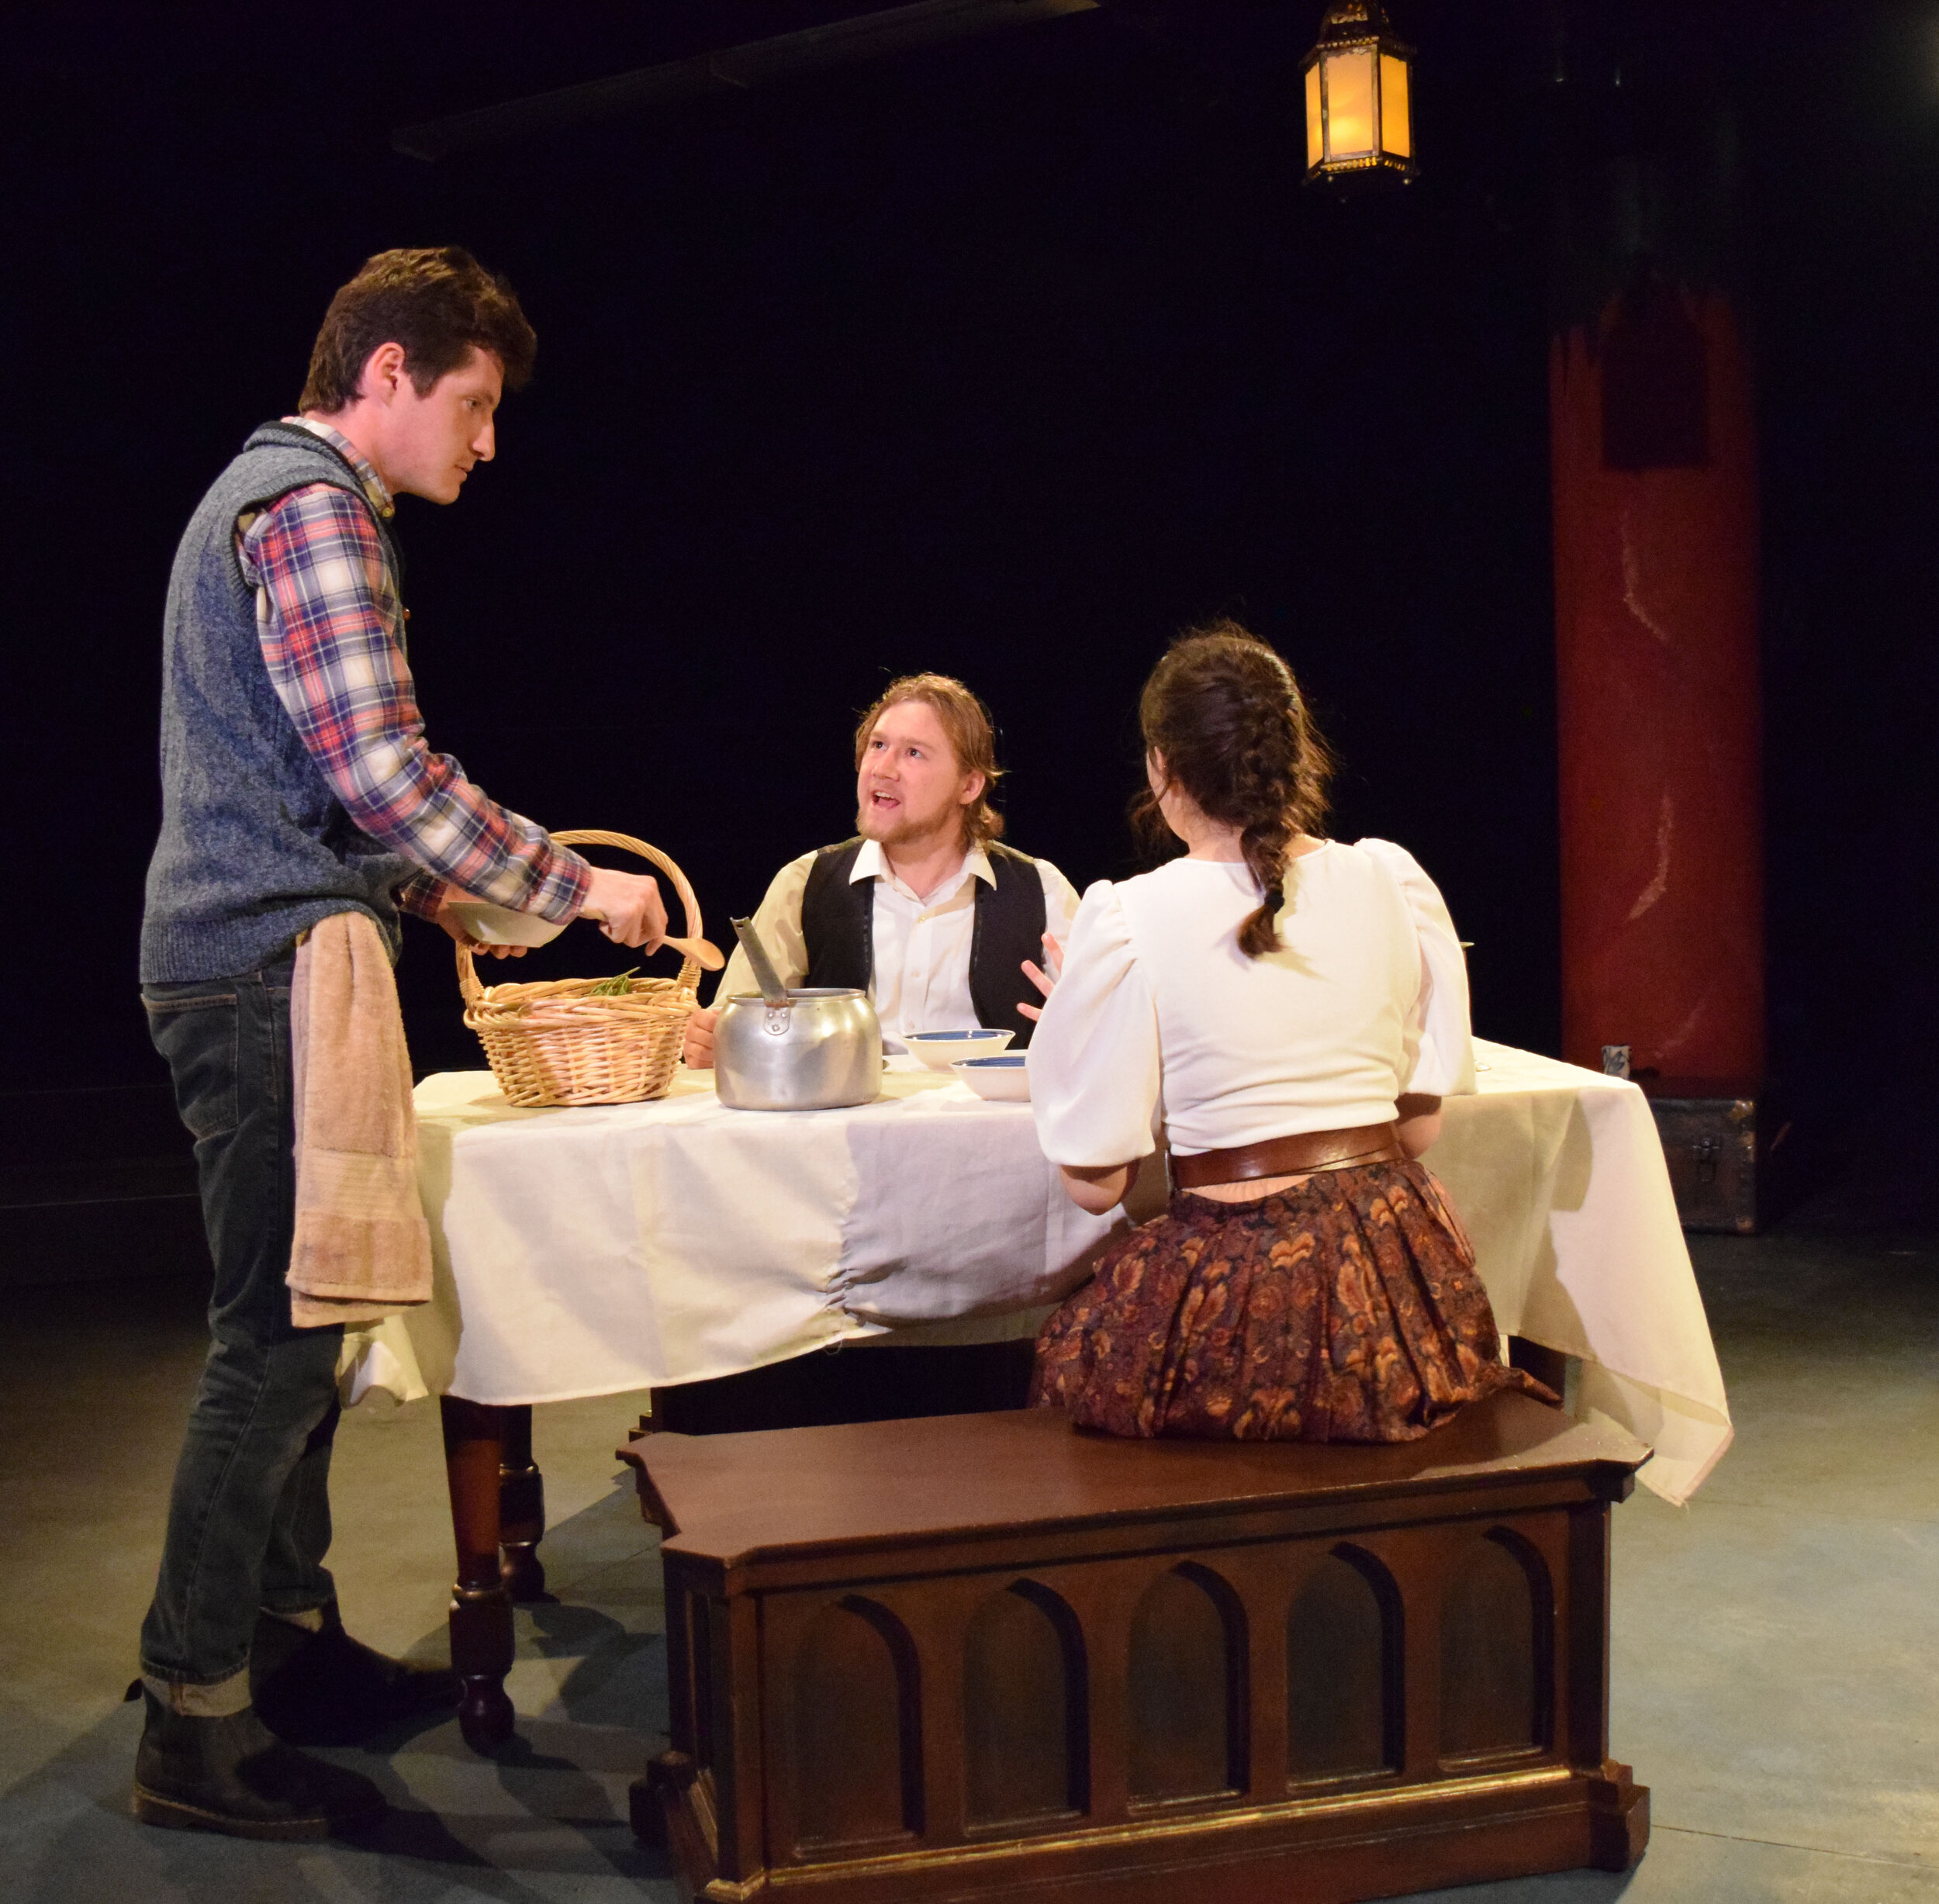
(1359, 119)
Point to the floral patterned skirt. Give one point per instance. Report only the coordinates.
(1345, 1308)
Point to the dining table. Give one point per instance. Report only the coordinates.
(670, 1244)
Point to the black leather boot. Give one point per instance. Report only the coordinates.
(326, 1688)
(231, 1774)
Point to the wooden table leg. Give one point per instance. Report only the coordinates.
(481, 1608)
(521, 1510)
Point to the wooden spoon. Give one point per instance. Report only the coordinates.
(710, 955)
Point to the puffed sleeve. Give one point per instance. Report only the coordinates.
(1440, 1048)
(1094, 1056)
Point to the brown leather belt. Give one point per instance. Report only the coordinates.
(1291, 1156)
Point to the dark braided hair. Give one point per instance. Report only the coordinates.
(1227, 715)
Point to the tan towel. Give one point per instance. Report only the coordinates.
(362, 1248)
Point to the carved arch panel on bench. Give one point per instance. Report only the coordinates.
(1344, 1689)
(857, 1755)
(1497, 1651)
(1186, 1680)
(1026, 1720)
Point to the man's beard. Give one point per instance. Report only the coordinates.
(902, 831)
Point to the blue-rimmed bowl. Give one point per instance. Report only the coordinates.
(939, 1050)
(1003, 1078)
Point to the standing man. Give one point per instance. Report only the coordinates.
(296, 784)
(923, 910)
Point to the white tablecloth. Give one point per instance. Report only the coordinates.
(1558, 1174)
(587, 1252)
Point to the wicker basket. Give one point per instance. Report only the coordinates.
(550, 1043)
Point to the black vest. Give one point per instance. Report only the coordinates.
(837, 925)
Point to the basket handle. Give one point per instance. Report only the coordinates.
(467, 981)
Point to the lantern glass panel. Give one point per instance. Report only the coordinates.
(1348, 80)
(1315, 127)
(1397, 124)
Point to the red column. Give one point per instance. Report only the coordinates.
(1659, 705)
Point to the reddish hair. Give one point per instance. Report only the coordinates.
(965, 722)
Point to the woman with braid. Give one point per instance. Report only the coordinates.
(1292, 1009)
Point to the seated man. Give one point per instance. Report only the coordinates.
(923, 909)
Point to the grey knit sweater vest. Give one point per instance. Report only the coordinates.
(254, 847)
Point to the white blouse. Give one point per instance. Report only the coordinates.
(1365, 998)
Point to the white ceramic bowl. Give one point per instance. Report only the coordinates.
(939, 1050)
(1003, 1078)
(499, 926)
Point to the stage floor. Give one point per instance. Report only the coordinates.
(1775, 1644)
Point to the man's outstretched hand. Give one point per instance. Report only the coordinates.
(629, 906)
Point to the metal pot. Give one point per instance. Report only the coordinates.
(821, 1048)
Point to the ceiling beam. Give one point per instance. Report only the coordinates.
(735, 69)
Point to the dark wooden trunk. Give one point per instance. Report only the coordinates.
(1709, 1133)
(976, 1656)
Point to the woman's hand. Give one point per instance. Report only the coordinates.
(1042, 979)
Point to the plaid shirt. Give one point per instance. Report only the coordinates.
(332, 629)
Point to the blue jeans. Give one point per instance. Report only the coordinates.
(249, 1516)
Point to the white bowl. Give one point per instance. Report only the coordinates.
(939, 1050)
(1003, 1078)
(499, 926)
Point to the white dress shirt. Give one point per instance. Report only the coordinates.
(1365, 998)
(921, 981)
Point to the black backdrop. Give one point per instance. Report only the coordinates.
(1008, 359)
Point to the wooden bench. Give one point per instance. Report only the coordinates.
(985, 1655)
